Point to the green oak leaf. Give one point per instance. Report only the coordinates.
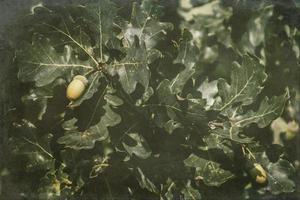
(66, 26)
(210, 172)
(279, 174)
(188, 55)
(268, 110)
(85, 28)
(40, 62)
(133, 68)
(33, 146)
(113, 100)
(177, 115)
(145, 25)
(246, 84)
(101, 20)
(140, 147)
(190, 193)
(165, 94)
(168, 100)
(215, 141)
(38, 98)
(233, 134)
(77, 139)
(195, 112)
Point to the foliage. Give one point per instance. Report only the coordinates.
(171, 110)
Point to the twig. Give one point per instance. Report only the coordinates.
(109, 189)
(39, 146)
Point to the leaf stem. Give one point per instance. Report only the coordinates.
(172, 107)
(39, 146)
(108, 188)
(129, 129)
(170, 187)
(89, 72)
(100, 33)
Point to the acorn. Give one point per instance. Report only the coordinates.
(258, 173)
(76, 87)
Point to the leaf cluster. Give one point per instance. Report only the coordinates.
(171, 111)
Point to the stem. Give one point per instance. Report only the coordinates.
(39, 146)
(108, 188)
(172, 107)
(250, 153)
(170, 187)
(89, 72)
(129, 129)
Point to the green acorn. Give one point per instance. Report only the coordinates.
(258, 173)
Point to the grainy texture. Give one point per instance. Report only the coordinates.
(11, 91)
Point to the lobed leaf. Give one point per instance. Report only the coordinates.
(133, 68)
(209, 171)
(215, 141)
(30, 144)
(77, 139)
(191, 193)
(102, 17)
(38, 98)
(279, 174)
(268, 110)
(140, 147)
(188, 55)
(43, 64)
(246, 84)
(145, 25)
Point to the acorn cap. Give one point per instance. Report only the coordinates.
(81, 78)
